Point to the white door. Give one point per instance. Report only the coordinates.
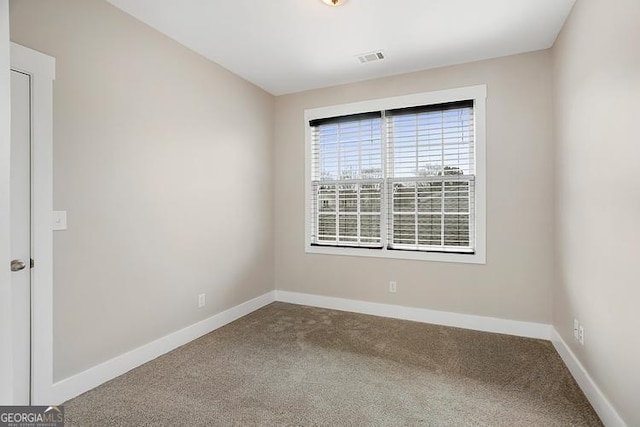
(21, 233)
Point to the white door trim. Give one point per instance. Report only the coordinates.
(6, 330)
(41, 68)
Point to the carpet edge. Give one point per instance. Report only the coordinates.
(422, 315)
(603, 407)
(77, 384)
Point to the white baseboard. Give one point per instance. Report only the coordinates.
(600, 403)
(598, 400)
(73, 386)
(445, 318)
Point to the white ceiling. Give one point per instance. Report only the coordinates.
(287, 46)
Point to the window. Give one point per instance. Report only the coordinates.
(398, 177)
(430, 175)
(347, 180)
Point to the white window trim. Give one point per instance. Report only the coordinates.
(478, 94)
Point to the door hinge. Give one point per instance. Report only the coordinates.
(31, 262)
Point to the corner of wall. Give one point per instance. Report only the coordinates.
(595, 69)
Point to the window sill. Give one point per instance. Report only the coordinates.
(476, 258)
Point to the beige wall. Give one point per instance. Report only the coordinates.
(163, 161)
(597, 84)
(6, 364)
(516, 282)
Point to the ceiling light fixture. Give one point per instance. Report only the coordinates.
(334, 2)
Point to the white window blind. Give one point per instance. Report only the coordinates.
(430, 175)
(347, 179)
(399, 179)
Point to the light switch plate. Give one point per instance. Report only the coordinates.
(59, 220)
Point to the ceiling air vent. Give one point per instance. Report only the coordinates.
(370, 57)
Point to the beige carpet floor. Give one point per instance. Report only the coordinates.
(291, 365)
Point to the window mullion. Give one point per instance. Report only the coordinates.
(443, 177)
(359, 176)
(415, 194)
(339, 148)
(384, 188)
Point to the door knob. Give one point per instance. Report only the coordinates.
(17, 265)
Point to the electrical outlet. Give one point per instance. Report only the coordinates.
(576, 329)
(393, 287)
(201, 301)
(581, 334)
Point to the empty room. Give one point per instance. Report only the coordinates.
(319, 213)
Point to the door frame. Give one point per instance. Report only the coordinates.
(6, 332)
(41, 68)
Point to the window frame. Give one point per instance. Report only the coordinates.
(476, 93)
